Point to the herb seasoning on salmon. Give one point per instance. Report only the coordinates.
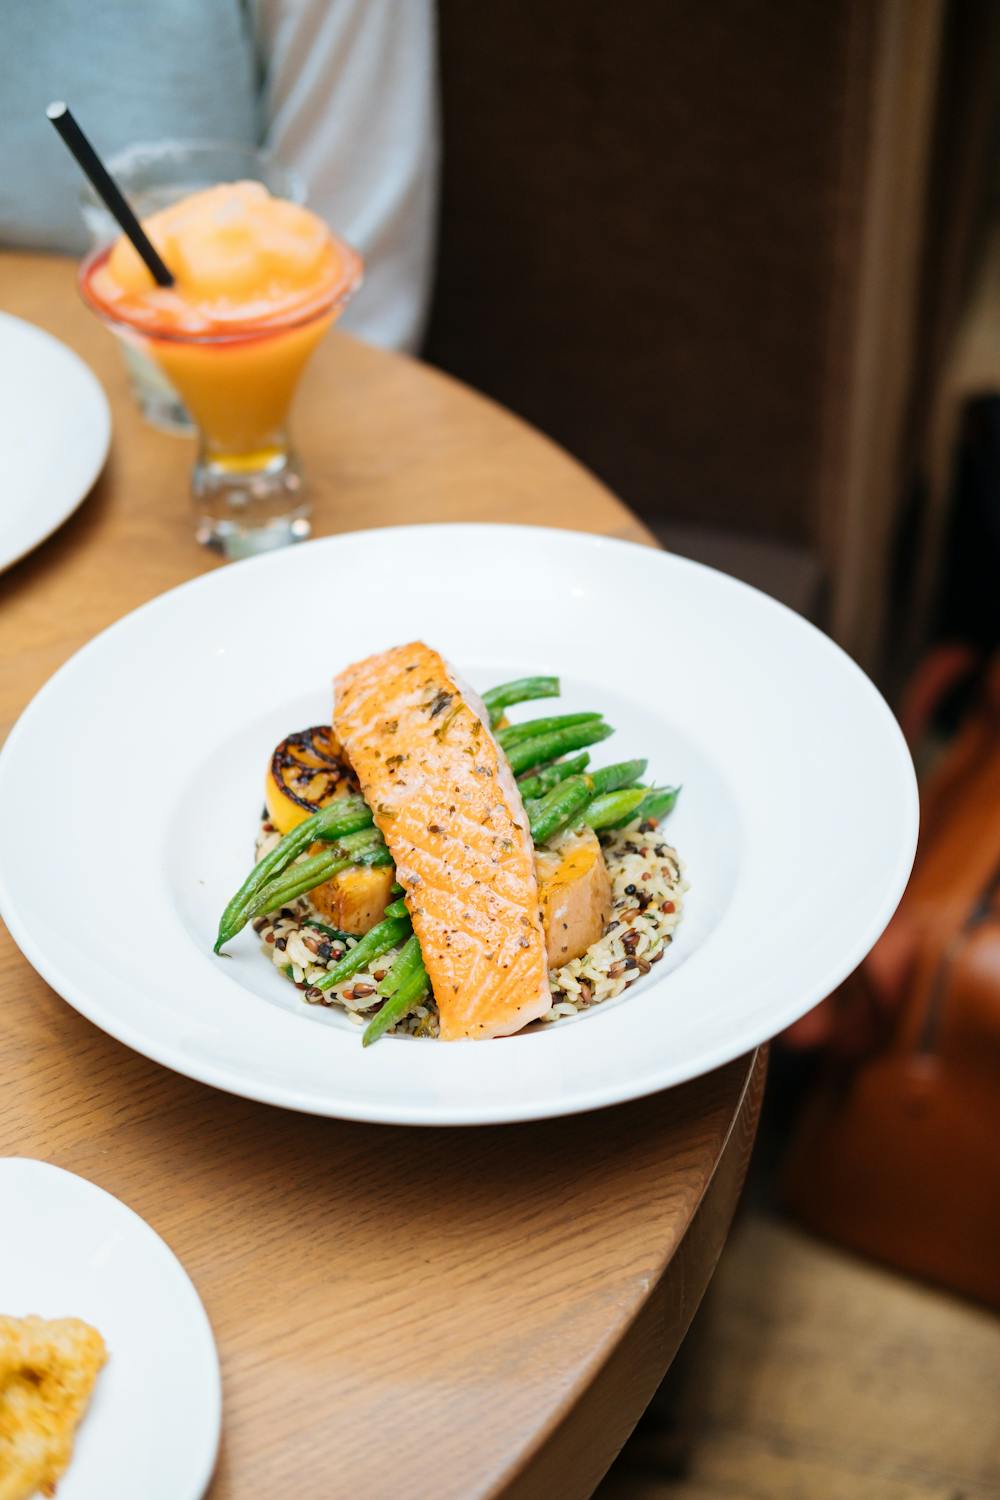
(469, 875)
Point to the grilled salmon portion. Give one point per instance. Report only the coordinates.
(443, 795)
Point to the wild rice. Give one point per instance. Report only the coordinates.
(646, 878)
(647, 881)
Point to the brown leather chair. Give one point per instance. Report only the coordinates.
(896, 1153)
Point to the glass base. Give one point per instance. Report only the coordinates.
(242, 510)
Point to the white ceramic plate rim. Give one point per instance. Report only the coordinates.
(742, 1037)
(71, 489)
(70, 1186)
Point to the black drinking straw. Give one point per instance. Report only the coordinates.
(107, 189)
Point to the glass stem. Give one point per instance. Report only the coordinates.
(249, 502)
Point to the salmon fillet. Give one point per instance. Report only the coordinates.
(443, 795)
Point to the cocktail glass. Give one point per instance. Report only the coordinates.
(238, 385)
(153, 175)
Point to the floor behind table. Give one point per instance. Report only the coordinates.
(810, 1375)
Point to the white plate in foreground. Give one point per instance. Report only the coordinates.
(71, 1250)
(55, 428)
(148, 749)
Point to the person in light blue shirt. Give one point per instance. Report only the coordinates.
(344, 92)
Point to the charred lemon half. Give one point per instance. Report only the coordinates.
(306, 771)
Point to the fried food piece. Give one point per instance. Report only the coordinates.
(47, 1372)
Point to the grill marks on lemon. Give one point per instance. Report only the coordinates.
(305, 773)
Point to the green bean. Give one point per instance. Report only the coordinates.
(378, 854)
(658, 801)
(365, 847)
(394, 1009)
(378, 940)
(297, 880)
(409, 983)
(239, 914)
(611, 809)
(396, 909)
(521, 691)
(545, 747)
(612, 778)
(390, 982)
(364, 838)
(408, 962)
(515, 733)
(549, 776)
(342, 816)
(337, 819)
(559, 807)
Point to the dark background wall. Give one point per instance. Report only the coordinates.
(646, 207)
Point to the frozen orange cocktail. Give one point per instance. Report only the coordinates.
(257, 282)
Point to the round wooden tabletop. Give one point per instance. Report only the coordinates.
(411, 1313)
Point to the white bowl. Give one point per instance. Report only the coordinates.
(133, 783)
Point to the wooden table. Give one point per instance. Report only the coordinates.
(399, 1313)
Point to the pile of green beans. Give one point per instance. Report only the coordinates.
(276, 880)
(558, 793)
